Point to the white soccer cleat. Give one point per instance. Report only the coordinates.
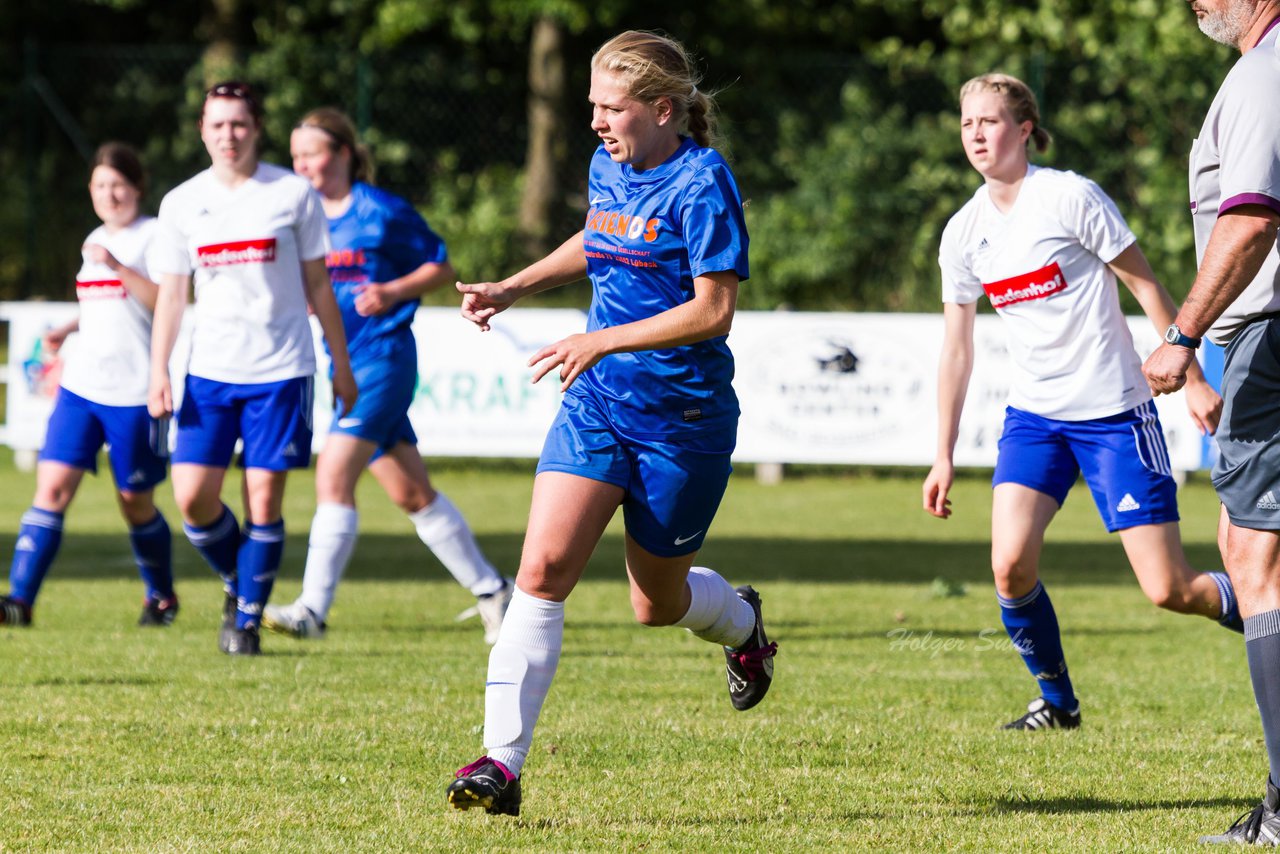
(493, 608)
(294, 619)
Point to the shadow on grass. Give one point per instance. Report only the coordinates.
(386, 557)
(1058, 806)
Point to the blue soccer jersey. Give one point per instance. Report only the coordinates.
(648, 235)
(379, 238)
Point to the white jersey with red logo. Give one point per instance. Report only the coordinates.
(1043, 265)
(111, 357)
(245, 246)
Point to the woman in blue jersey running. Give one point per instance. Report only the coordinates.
(383, 258)
(649, 417)
(1047, 247)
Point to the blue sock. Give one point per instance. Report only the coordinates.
(1033, 627)
(1230, 608)
(260, 554)
(153, 550)
(218, 544)
(38, 539)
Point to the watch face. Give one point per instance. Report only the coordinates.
(1172, 335)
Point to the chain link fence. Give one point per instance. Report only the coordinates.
(446, 133)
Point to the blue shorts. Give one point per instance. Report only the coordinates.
(139, 444)
(672, 487)
(381, 413)
(1123, 459)
(273, 419)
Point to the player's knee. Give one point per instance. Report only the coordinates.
(1170, 593)
(654, 614)
(137, 507)
(412, 500)
(54, 498)
(1012, 570)
(545, 577)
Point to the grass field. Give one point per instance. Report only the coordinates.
(880, 733)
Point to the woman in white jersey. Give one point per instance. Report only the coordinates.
(102, 399)
(253, 237)
(1047, 247)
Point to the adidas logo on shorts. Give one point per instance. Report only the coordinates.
(1268, 501)
(291, 450)
(1126, 504)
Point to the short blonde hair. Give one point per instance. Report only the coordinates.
(1017, 96)
(652, 66)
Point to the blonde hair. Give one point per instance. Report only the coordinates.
(1019, 99)
(341, 133)
(652, 66)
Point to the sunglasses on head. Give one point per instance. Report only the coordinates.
(230, 90)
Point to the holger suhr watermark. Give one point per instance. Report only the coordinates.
(987, 640)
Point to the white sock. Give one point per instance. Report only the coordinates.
(521, 666)
(716, 613)
(333, 539)
(445, 532)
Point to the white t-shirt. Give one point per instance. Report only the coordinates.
(245, 246)
(1044, 267)
(110, 361)
(1236, 161)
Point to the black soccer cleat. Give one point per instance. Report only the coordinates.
(749, 668)
(1259, 826)
(228, 628)
(14, 612)
(485, 783)
(1041, 714)
(244, 641)
(158, 611)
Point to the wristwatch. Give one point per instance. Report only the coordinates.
(1173, 335)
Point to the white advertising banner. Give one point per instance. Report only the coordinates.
(862, 389)
(814, 387)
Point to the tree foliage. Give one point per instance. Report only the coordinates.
(840, 118)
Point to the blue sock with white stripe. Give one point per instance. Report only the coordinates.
(1262, 645)
(1230, 617)
(39, 537)
(218, 544)
(260, 555)
(1033, 627)
(153, 551)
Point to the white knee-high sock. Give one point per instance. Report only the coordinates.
(446, 533)
(521, 666)
(333, 539)
(716, 613)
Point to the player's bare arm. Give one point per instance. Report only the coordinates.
(568, 263)
(380, 297)
(955, 366)
(325, 305)
(1238, 244)
(171, 301)
(1131, 267)
(708, 315)
(139, 286)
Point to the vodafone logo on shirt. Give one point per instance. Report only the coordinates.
(241, 252)
(106, 289)
(1030, 286)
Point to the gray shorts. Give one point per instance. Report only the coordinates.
(1247, 472)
